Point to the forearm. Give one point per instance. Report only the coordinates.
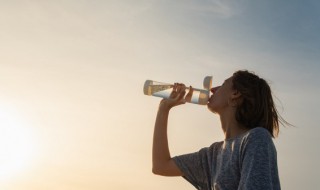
(160, 149)
(162, 164)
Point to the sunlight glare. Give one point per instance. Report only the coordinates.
(16, 143)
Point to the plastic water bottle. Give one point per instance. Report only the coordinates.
(163, 90)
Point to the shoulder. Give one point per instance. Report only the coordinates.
(216, 145)
(258, 134)
(258, 137)
(213, 148)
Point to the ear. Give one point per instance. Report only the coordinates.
(235, 94)
(235, 98)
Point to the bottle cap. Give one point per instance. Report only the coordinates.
(207, 82)
(146, 87)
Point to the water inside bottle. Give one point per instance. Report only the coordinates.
(160, 89)
(164, 91)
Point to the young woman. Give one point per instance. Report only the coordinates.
(247, 158)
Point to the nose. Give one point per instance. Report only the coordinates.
(215, 89)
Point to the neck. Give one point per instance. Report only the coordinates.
(231, 128)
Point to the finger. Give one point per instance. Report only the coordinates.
(181, 92)
(189, 95)
(178, 87)
(174, 91)
(175, 86)
(182, 86)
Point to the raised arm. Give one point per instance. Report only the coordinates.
(162, 163)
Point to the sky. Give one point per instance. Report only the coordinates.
(73, 115)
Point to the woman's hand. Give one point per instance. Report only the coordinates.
(177, 96)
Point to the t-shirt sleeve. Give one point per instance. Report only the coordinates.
(259, 168)
(195, 167)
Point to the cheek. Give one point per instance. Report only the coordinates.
(219, 102)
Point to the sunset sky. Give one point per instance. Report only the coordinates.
(73, 115)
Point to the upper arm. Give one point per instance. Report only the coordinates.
(168, 168)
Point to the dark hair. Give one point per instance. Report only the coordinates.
(256, 107)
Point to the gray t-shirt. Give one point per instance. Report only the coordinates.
(246, 162)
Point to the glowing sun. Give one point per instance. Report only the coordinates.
(16, 143)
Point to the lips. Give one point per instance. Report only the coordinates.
(210, 99)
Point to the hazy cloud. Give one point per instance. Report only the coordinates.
(223, 9)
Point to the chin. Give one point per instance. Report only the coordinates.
(211, 109)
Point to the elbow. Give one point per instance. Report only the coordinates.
(159, 169)
(166, 169)
(156, 170)
(157, 166)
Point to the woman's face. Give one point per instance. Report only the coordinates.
(220, 96)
